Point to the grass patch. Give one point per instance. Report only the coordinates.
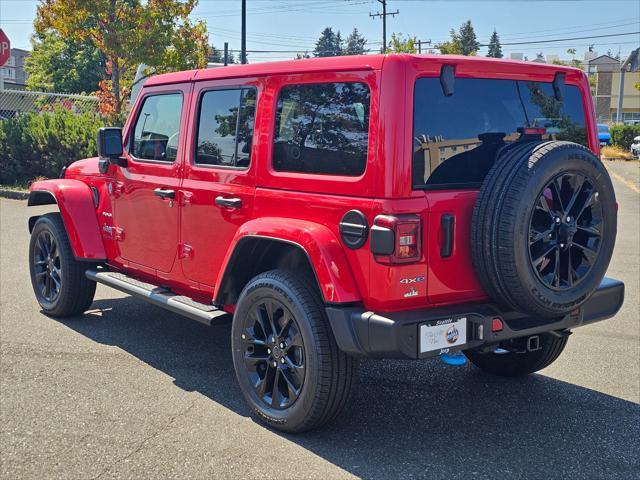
(612, 151)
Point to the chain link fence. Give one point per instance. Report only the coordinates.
(15, 102)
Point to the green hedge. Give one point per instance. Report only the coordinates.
(36, 145)
(623, 135)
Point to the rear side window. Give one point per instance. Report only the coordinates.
(322, 128)
(456, 138)
(155, 135)
(225, 127)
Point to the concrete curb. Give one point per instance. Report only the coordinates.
(14, 194)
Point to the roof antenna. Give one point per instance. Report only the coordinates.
(447, 79)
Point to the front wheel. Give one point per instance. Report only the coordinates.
(505, 363)
(289, 367)
(58, 279)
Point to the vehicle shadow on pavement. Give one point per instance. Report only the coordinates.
(405, 418)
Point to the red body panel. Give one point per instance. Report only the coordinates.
(188, 245)
(323, 248)
(75, 202)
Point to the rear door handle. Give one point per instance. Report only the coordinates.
(228, 202)
(162, 193)
(447, 225)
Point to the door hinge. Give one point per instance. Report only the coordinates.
(185, 251)
(186, 198)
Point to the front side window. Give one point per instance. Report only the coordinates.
(156, 132)
(457, 138)
(322, 129)
(225, 127)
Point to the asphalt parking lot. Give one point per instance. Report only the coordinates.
(131, 391)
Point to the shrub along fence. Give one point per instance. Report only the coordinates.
(42, 132)
(623, 135)
(36, 145)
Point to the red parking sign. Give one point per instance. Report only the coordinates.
(5, 48)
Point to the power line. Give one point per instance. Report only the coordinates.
(564, 39)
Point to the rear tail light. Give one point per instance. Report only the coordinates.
(396, 239)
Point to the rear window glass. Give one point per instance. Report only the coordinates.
(322, 128)
(456, 138)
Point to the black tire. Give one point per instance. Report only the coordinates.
(511, 202)
(514, 364)
(69, 292)
(323, 378)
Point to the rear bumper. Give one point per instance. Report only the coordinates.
(396, 335)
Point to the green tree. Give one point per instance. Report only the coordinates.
(469, 44)
(495, 49)
(452, 47)
(62, 66)
(329, 44)
(463, 42)
(217, 56)
(157, 33)
(355, 44)
(399, 44)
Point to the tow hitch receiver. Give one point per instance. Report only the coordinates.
(533, 343)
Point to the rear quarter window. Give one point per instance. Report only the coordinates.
(322, 129)
(456, 138)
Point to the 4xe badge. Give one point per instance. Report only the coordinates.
(406, 281)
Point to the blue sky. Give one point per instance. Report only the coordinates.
(296, 24)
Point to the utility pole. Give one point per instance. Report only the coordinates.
(420, 42)
(226, 53)
(383, 15)
(243, 35)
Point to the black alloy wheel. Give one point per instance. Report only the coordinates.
(565, 230)
(58, 278)
(289, 368)
(47, 266)
(274, 357)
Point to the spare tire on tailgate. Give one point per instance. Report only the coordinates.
(544, 226)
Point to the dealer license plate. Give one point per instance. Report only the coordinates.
(443, 336)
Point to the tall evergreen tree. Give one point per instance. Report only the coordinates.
(463, 42)
(329, 44)
(355, 44)
(467, 39)
(495, 49)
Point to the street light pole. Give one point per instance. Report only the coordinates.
(243, 37)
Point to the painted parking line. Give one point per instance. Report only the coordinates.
(623, 180)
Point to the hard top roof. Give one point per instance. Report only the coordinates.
(342, 63)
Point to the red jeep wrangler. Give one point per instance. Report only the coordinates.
(400, 206)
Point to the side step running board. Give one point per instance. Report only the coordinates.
(159, 296)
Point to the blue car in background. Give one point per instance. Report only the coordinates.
(604, 137)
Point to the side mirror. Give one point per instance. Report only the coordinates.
(109, 142)
(110, 147)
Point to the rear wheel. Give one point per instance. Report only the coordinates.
(289, 367)
(58, 279)
(512, 363)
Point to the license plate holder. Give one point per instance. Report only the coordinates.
(443, 335)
